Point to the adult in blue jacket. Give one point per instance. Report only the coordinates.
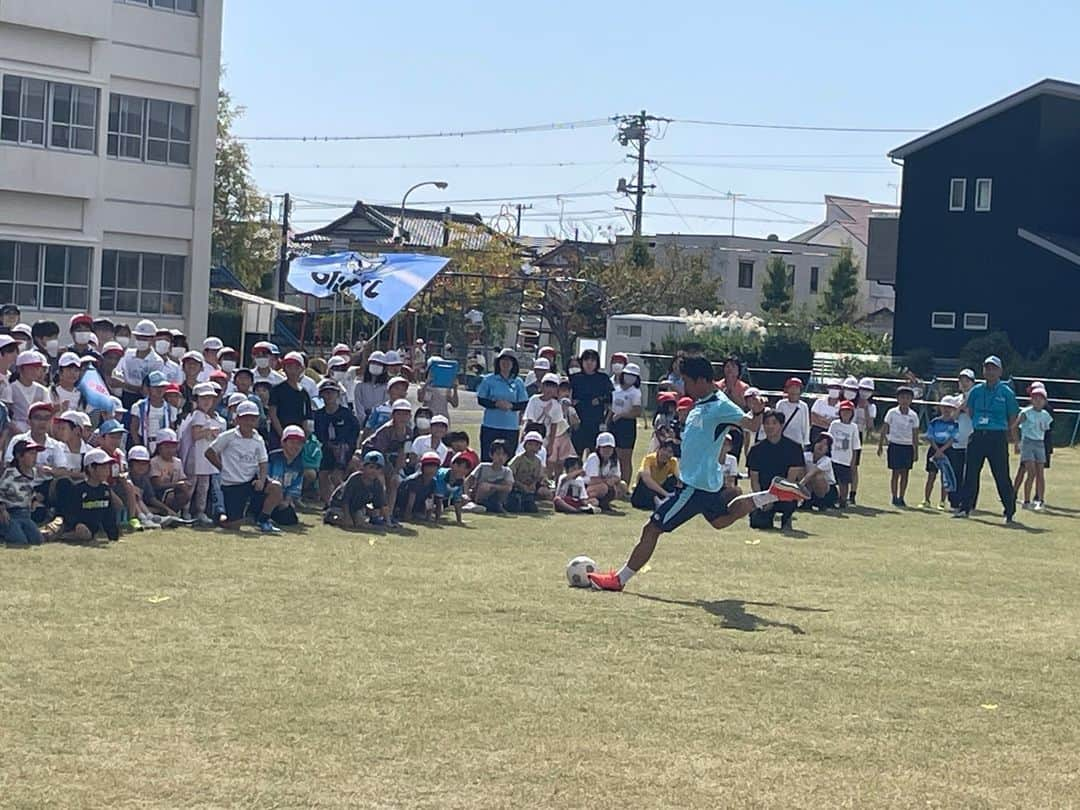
(503, 397)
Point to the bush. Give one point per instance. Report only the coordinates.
(1062, 361)
(786, 351)
(847, 339)
(978, 349)
(777, 350)
(857, 367)
(921, 361)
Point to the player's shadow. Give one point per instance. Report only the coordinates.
(733, 614)
(1016, 527)
(869, 511)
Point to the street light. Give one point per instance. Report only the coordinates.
(399, 236)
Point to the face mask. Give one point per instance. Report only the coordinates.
(338, 375)
(52, 346)
(141, 345)
(865, 394)
(375, 368)
(22, 346)
(617, 367)
(176, 352)
(849, 393)
(82, 338)
(262, 362)
(162, 346)
(228, 366)
(123, 340)
(834, 393)
(423, 424)
(574, 370)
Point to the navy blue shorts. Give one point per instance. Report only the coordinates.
(686, 503)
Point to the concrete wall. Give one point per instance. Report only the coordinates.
(53, 196)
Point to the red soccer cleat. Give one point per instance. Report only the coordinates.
(605, 581)
(786, 491)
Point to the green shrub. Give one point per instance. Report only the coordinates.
(921, 361)
(1061, 361)
(848, 366)
(846, 339)
(978, 349)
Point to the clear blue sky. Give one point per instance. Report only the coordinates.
(326, 67)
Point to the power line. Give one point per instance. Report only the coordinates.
(793, 127)
(785, 168)
(771, 155)
(509, 165)
(464, 133)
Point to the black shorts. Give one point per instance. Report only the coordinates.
(237, 498)
(625, 433)
(842, 473)
(686, 503)
(829, 500)
(858, 458)
(931, 467)
(901, 456)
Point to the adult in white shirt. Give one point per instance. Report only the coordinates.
(138, 362)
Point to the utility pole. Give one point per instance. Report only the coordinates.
(520, 208)
(283, 255)
(635, 129)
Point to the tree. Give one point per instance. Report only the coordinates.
(840, 301)
(242, 238)
(776, 293)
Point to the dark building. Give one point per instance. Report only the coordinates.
(989, 232)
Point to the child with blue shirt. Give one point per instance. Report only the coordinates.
(1034, 423)
(941, 433)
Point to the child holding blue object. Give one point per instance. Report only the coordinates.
(941, 433)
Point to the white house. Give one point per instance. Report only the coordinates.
(107, 138)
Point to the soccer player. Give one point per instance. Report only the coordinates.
(701, 488)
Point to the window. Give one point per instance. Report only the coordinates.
(145, 283)
(815, 273)
(183, 6)
(73, 124)
(746, 275)
(622, 331)
(635, 331)
(943, 320)
(957, 193)
(22, 111)
(33, 110)
(149, 130)
(983, 186)
(44, 276)
(976, 320)
(791, 275)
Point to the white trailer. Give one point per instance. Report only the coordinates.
(639, 334)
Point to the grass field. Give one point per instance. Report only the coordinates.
(875, 659)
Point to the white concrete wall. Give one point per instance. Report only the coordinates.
(52, 196)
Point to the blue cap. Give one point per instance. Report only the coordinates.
(274, 349)
(156, 379)
(110, 426)
(992, 360)
(374, 457)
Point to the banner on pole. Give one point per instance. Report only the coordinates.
(383, 283)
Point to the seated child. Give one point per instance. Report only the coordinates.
(657, 478)
(416, 496)
(361, 500)
(459, 443)
(450, 486)
(571, 494)
(87, 506)
(489, 484)
(819, 480)
(171, 487)
(529, 482)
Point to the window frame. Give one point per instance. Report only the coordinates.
(72, 124)
(153, 6)
(140, 291)
(989, 181)
(985, 324)
(815, 279)
(20, 116)
(963, 193)
(934, 320)
(739, 279)
(39, 282)
(123, 111)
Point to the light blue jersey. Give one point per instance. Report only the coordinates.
(703, 437)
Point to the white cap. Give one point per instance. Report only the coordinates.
(23, 329)
(337, 360)
(851, 382)
(439, 419)
(138, 453)
(69, 359)
(96, 456)
(396, 380)
(401, 405)
(112, 346)
(81, 418)
(6, 340)
(341, 348)
(145, 328)
(605, 439)
(166, 435)
(293, 432)
(553, 379)
(951, 401)
(191, 355)
(205, 389)
(227, 350)
(392, 358)
(377, 357)
(542, 364)
(236, 399)
(866, 384)
(293, 357)
(532, 436)
(632, 368)
(28, 358)
(248, 408)
(213, 344)
(749, 393)
(72, 416)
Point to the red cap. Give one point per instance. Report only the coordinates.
(667, 396)
(847, 405)
(218, 374)
(685, 402)
(81, 317)
(793, 381)
(173, 388)
(41, 406)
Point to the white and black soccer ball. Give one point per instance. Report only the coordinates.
(577, 571)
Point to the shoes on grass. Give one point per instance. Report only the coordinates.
(605, 581)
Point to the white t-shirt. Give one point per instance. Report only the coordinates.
(22, 397)
(571, 487)
(547, 412)
(846, 441)
(54, 454)
(270, 375)
(624, 400)
(422, 444)
(826, 411)
(865, 416)
(963, 419)
(66, 400)
(240, 457)
(208, 420)
(796, 421)
(824, 464)
(66, 459)
(593, 468)
(731, 466)
(132, 368)
(902, 426)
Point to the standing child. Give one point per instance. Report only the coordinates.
(625, 411)
(796, 413)
(545, 408)
(337, 430)
(941, 433)
(865, 418)
(571, 493)
(846, 444)
(198, 432)
(901, 431)
(490, 483)
(825, 410)
(66, 395)
(1034, 423)
(25, 390)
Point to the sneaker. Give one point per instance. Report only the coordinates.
(895, 501)
(901, 503)
(851, 498)
(394, 523)
(204, 520)
(1025, 505)
(786, 491)
(926, 505)
(960, 513)
(1038, 506)
(785, 524)
(135, 525)
(590, 509)
(267, 527)
(1009, 519)
(605, 580)
(942, 506)
(148, 522)
(378, 521)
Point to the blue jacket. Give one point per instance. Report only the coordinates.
(495, 387)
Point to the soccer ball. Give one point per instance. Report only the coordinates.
(578, 569)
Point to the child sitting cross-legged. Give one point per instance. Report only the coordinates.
(530, 484)
(490, 483)
(361, 500)
(571, 494)
(657, 477)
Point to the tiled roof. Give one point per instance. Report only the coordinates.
(423, 228)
